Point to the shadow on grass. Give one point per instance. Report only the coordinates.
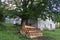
(45, 38)
(2, 27)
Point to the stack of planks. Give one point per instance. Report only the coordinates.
(31, 32)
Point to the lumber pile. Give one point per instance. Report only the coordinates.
(31, 32)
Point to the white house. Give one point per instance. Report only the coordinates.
(13, 20)
(48, 24)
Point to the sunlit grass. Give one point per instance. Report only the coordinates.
(11, 33)
(55, 34)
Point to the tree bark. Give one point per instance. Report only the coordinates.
(24, 22)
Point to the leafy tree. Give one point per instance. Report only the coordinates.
(32, 9)
(54, 9)
(1, 11)
(27, 9)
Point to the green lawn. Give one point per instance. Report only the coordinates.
(11, 33)
(55, 34)
(12, 36)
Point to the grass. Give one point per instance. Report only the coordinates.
(11, 33)
(11, 36)
(8, 32)
(55, 34)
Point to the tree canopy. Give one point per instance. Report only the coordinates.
(32, 9)
(1, 12)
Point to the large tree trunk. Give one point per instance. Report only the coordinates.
(24, 22)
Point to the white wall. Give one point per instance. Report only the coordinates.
(47, 24)
(13, 20)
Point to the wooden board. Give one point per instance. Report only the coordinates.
(31, 32)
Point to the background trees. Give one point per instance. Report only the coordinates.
(1, 11)
(32, 9)
(54, 9)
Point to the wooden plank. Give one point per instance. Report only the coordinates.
(31, 32)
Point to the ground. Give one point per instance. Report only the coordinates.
(10, 32)
(55, 34)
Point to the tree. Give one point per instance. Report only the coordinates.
(32, 9)
(1, 11)
(27, 9)
(54, 8)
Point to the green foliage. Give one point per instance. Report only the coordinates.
(11, 13)
(1, 12)
(33, 10)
